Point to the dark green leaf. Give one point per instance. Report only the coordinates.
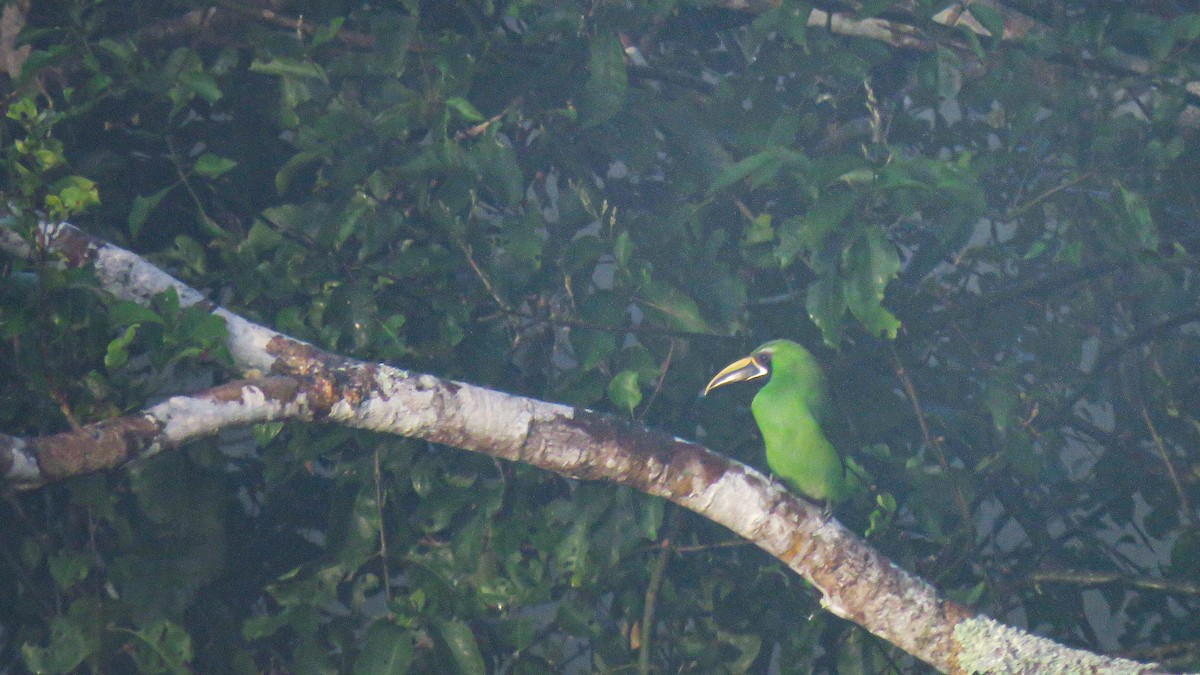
(989, 18)
(592, 347)
(459, 641)
(289, 67)
(623, 249)
(624, 392)
(760, 231)
(297, 162)
(871, 263)
(464, 108)
(386, 649)
(68, 568)
(760, 168)
(128, 313)
(810, 232)
(671, 307)
(1139, 222)
(826, 307)
(603, 93)
(212, 166)
(162, 647)
(142, 206)
(67, 649)
(202, 84)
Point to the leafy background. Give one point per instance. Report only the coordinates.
(988, 243)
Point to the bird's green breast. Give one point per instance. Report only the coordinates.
(797, 449)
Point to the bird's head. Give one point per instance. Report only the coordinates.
(777, 356)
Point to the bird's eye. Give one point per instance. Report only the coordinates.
(763, 359)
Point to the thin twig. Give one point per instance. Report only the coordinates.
(658, 382)
(1166, 458)
(1178, 587)
(1019, 210)
(299, 25)
(646, 633)
(700, 548)
(483, 277)
(43, 346)
(383, 549)
(211, 225)
(933, 442)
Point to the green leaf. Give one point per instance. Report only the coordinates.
(71, 195)
(1185, 554)
(327, 33)
(860, 176)
(1002, 399)
(212, 166)
(459, 642)
(117, 354)
(162, 646)
(623, 249)
(189, 251)
(393, 34)
(747, 645)
(464, 108)
(871, 262)
(142, 206)
(872, 8)
(499, 168)
(826, 307)
(123, 52)
(68, 568)
(67, 649)
(761, 168)
(882, 515)
(624, 392)
(989, 18)
(1139, 222)
(582, 254)
(166, 302)
(592, 347)
(671, 307)
(604, 93)
(128, 313)
(578, 619)
(281, 67)
(258, 627)
(354, 533)
(810, 232)
(202, 84)
(386, 649)
(198, 326)
(354, 311)
(760, 231)
(297, 162)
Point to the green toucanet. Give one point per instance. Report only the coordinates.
(791, 409)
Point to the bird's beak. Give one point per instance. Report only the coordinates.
(741, 370)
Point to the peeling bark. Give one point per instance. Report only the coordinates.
(31, 463)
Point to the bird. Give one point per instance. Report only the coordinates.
(793, 410)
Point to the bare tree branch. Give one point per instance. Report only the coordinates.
(31, 463)
(855, 580)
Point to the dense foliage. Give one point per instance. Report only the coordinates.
(988, 242)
